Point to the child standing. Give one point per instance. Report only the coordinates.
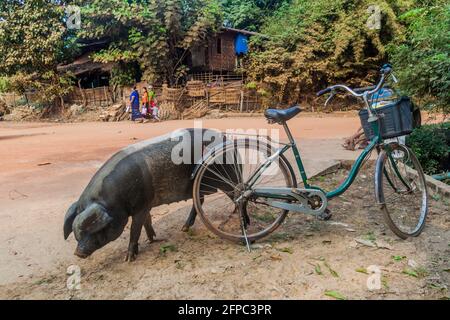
(153, 104)
(145, 103)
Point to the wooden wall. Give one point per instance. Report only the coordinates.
(226, 59)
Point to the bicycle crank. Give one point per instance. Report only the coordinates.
(307, 201)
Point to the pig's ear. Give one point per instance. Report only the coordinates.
(92, 220)
(68, 220)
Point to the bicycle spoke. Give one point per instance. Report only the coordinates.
(222, 178)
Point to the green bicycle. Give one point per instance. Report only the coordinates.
(261, 187)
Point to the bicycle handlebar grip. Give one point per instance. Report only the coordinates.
(386, 69)
(325, 91)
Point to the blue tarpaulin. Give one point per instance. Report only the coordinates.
(241, 44)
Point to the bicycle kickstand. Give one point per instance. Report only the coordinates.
(244, 232)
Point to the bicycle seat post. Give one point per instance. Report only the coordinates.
(289, 133)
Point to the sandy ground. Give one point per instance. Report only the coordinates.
(44, 168)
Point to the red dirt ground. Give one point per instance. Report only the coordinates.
(44, 168)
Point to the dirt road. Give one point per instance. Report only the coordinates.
(44, 168)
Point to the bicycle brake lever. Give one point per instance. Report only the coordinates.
(332, 95)
(394, 78)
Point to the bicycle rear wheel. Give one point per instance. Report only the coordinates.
(401, 189)
(222, 180)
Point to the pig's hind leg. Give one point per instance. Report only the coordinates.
(192, 216)
(190, 221)
(151, 234)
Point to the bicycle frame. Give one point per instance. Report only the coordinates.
(282, 194)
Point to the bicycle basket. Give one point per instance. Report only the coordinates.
(396, 119)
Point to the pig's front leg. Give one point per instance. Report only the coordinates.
(136, 227)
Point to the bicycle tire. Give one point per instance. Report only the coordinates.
(288, 172)
(384, 174)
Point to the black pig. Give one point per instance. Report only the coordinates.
(133, 181)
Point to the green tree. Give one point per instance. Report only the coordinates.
(422, 58)
(249, 14)
(32, 43)
(315, 43)
(155, 34)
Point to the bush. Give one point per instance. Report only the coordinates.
(4, 84)
(311, 44)
(422, 60)
(431, 144)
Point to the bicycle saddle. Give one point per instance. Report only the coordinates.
(281, 116)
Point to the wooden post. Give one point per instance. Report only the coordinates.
(83, 96)
(242, 101)
(106, 95)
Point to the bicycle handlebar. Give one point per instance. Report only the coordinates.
(325, 91)
(385, 71)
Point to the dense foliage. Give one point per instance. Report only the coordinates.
(249, 14)
(431, 144)
(33, 40)
(315, 43)
(422, 60)
(305, 45)
(155, 34)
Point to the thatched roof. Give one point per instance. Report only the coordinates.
(85, 64)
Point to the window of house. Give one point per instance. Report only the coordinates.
(219, 45)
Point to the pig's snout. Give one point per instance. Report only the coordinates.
(81, 254)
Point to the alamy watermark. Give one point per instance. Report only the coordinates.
(374, 280)
(74, 278)
(73, 14)
(374, 21)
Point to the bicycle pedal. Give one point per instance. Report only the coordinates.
(326, 216)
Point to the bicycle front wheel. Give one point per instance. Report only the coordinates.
(401, 190)
(223, 179)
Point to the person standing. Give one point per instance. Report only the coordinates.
(145, 103)
(134, 102)
(153, 104)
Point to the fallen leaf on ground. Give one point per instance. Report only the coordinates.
(167, 248)
(333, 273)
(410, 273)
(318, 270)
(335, 294)
(362, 270)
(286, 250)
(339, 224)
(383, 245)
(366, 243)
(398, 258)
(16, 195)
(44, 164)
